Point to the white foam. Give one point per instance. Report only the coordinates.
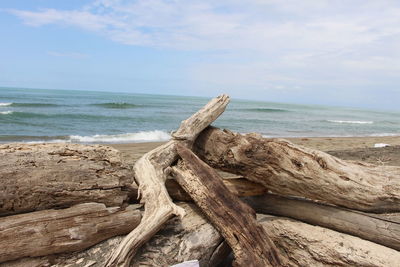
(6, 112)
(149, 136)
(49, 141)
(385, 134)
(355, 122)
(5, 104)
(381, 145)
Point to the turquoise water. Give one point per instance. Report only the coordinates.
(28, 115)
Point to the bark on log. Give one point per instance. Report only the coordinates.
(180, 240)
(241, 187)
(43, 176)
(307, 245)
(54, 231)
(367, 226)
(150, 176)
(234, 220)
(288, 169)
(194, 238)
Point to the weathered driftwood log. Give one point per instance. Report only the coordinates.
(194, 238)
(43, 176)
(53, 231)
(150, 176)
(307, 245)
(288, 169)
(367, 226)
(234, 220)
(180, 240)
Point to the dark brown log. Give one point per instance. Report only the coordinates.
(367, 226)
(238, 186)
(54, 231)
(150, 176)
(288, 169)
(43, 176)
(233, 219)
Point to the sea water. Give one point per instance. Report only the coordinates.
(32, 115)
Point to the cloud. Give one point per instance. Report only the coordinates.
(263, 43)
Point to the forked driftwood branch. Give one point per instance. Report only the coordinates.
(234, 219)
(150, 176)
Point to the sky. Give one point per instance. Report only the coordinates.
(344, 53)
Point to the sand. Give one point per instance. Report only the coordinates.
(349, 148)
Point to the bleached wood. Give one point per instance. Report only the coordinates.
(373, 227)
(150, 176)
(307, 245)
(44, 176)
(54, 231)
(288, 169)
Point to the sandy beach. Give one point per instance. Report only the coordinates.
(350, 148)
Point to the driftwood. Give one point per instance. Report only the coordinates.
(180, 240)
(307, 245)
(53, 231)
(234, 220)
(150, 176)
(373, 227)
(239, 186)
(194, 238)
(43, 176)
(288, 169)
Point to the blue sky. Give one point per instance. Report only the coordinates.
(311, 51)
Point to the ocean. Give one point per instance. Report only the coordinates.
(36, 115)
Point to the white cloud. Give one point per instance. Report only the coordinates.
(270, 43)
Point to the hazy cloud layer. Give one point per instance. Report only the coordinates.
(266, 45)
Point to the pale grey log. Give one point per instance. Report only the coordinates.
(367, 226)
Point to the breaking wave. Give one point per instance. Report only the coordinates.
(139, 137)
(351, 122)
(5, 104)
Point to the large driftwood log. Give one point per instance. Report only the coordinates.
(180, 240)
(194, 238)
(307, 245)
(150, 176)
(234, 220)
(43, 176)
(53, 231)
(288, 169)
(380, 230)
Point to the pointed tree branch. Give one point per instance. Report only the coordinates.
(150, 176)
